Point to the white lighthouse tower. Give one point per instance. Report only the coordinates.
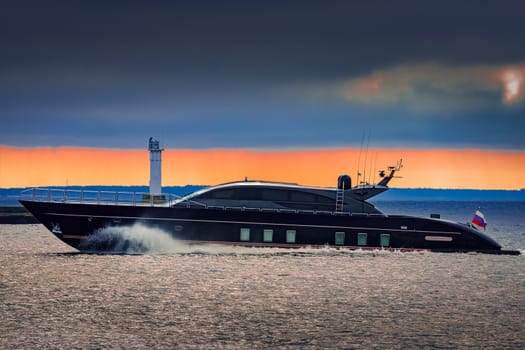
(155, 167)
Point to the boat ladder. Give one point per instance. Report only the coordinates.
(339, 199)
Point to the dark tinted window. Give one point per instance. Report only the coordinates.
(221, 194)
(297, 196)
(323, 199)
(275, 195)
(248, 193)
(234, 193)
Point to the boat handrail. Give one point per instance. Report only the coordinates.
(62, 195)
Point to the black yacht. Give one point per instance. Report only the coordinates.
(256, 213)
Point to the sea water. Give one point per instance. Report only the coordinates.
(202, 297)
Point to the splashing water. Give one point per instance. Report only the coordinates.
(135, 239)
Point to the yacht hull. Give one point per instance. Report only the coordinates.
(77, 223)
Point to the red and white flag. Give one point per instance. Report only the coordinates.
(479, 220)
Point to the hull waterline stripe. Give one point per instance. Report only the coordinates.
(255, 223)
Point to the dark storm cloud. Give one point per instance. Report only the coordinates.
(220, 73)
(299, 39)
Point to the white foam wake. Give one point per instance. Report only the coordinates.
(135, 239)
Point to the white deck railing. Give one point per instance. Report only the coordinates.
(98, 197)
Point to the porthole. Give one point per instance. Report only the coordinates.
(245, 234)
(384, 240)
(361, 238)
(339, 238)
(290, 236)
(268, 235)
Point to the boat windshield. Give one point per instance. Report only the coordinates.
(191, 195)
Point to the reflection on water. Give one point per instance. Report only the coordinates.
(232, 297)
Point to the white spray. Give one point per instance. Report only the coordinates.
(136, 239)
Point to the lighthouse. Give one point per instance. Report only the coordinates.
(155, 167)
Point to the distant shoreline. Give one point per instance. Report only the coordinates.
(423, 194)
(16, 215)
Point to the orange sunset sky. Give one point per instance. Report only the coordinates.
(60, 166)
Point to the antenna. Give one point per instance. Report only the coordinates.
(399, 164)
(359, 159)
(375, 163)
(374, 156)
(366, 156)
